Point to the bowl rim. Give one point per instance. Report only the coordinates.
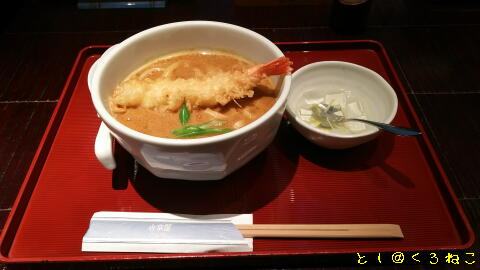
(320, 64)
(118, 127)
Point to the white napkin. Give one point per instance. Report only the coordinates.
(165, 233)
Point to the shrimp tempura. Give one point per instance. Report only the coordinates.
(208, 91)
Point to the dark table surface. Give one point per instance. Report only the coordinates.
(434, 45)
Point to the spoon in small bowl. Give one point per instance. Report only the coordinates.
(327, 114)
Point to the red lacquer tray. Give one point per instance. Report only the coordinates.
(390, 180)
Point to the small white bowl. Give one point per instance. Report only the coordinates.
(316, 80)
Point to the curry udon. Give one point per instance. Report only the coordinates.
(182, 95)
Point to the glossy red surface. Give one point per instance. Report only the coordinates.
(389, 180)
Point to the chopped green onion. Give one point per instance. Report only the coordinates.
(185, 129)
(204, 132)
(210, 124)
(210, 127)
(184, 114)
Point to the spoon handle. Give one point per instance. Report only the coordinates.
(403, 131)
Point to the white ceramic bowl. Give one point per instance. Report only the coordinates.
(193, 159)
(315, 80)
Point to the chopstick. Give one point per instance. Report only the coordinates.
(321, 230)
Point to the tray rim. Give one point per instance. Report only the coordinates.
(57, 117)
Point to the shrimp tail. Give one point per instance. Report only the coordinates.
(279, 66)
